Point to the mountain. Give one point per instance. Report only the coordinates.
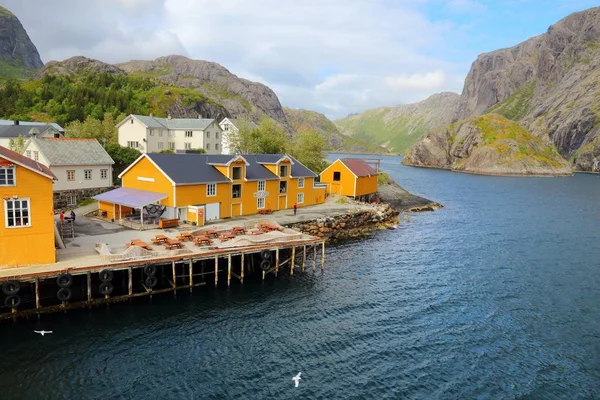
(303, 120)
(240, 97)
(487, 144)
(19, 57)
(398, 127)
(550, 84)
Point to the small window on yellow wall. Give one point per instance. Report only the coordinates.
(236, 173)
(300, 183)
(336, 176)
(236, 191)
(300, 198)
(283, 171)
(260, 202)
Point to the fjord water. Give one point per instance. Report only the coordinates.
(495, 296)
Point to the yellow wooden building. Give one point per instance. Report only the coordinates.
(27, 212)
(201, 187)
(350, 177)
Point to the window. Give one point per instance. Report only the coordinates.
(71, 201)
(17, 213)
(151, 132)
(283, 187)
(217, 146)
(71, 175)
(208, 135)
(160, 132)
(103, 174)
(7, 176)
(261, 186)
(336, 176)
(87, 174)
(36, 155)
(188, 146)
(236, 191)
(171, 134)
(132, 120)
(161, 145)
(300, 183)
(300, 198)
(260, 202)
(226, 127)
(211, 189)
(236, 173)
(28, 153)
(172, 146)
(133, 145)
(188, 133)
(216, 135)
(283, 170)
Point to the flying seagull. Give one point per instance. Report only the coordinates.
(43, 332)
(297, 378)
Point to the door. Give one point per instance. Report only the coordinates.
(335, 188)
(213, 211)
(282, 202)
(182, 213)
(236, 209)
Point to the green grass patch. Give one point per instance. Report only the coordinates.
(86, 202)
(517, 105)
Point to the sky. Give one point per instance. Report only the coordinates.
(333, 56)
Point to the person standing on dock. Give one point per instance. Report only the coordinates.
(72, 216)
(295, 208)
(62, 217)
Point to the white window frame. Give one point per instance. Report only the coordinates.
(233, 175)
(19, 200)
(151, 132)
(217, 135)
(160, 133)
(211, 189)
(36, 155)
(161, 145)
(239, 196)
(207, 146)
(208, 135)
(73, 177)
(189, 134)
(262, 184)
(260, 203)
(187, 146)
(4, 172)
(103, 174)
(28, 153)
(300, 183)
(86, 173)
(71, 200)
(133, 144)
(300, 198)
(216, 146)
(171, 145)
(286, 171)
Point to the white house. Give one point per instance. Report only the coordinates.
(149, 134)
(82, 167)
(229, 133)
(13, 129)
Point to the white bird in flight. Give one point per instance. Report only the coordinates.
(297, 378)
(43, 332)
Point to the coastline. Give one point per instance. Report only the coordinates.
(515, 175)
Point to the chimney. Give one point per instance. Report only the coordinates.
(199, 116)
(169, 116)
(151, 115)
(16, 122)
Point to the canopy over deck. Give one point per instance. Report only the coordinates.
(133, 198)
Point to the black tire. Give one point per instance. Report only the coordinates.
(12, 301)
(265, 254)
(64, 280)
(150, 270)
(64, 294)
(265, 265)
(106, 288)
(151, 281)
(10, 287)
(106, 275)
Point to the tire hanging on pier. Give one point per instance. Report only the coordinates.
(64, 280)
(150, 270)
(10, 287)
(265, 254)
(12, 301)
(106, 275)
(151, 281)
(265, 265)
(64, 294)
(106, 288)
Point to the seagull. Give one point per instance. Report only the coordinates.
(43, 332)
(297, 378)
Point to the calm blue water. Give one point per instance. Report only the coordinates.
(495, 296)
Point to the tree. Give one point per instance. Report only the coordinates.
(104, 131)
(267, 138)
(17, 144)
(308, 148)
(122, 156)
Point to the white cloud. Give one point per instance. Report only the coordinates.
(419, 81)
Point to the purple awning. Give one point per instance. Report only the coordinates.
(130, 197)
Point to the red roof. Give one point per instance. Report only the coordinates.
(26, 162)
(359, 167)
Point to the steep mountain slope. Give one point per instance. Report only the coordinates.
(241, 97)
(487, 144)
(398, 127)
(549, 83)
(303, 120)
(18, 55)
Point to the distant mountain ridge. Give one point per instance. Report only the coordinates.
(18, 55)
(397, 128)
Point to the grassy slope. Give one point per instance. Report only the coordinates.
(517, 105)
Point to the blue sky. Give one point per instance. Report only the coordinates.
(333, 56)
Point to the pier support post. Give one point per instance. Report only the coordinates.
(229, 270)
(37, 293)
(292, 260)
(89, 286)
(276, 261)
(323, 256)
(303, 257)
(174, 279)
(130, 284)
(216, 270)
(242, 271)
(191, 264)
(315, 258)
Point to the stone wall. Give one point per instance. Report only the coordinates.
(61, 196)
(351, 225)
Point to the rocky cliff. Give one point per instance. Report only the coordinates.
(240, 97)
(549, 83)
(18, 55)
(78, 65)
(487, 144)
(397, 128)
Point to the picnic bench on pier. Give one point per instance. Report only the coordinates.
(211, 233)
(227, 236)
(138, 243)
(201, 240)
(173, 244)
(238, 230)
(183, 236)
(158, 239)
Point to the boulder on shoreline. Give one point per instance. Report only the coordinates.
(400, 199)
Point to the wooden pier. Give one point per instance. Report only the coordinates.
(62, 289)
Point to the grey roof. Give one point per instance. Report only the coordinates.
(13, 131)
(187, 169)
(174, 123)
(64, 151)
(30, 123)
(257, 171)
(298, 170)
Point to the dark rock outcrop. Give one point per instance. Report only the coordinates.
(78, 65)
(16, 48)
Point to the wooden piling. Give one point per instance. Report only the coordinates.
(37, 293)
(315, 258)
(216, 270)
(303, 257)
(242, 271)
(130, 284)
(174, 283)
(229, 270)
(276, 261)
(292, 260)
(191, 265)
(323, 256)
(89, 286)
